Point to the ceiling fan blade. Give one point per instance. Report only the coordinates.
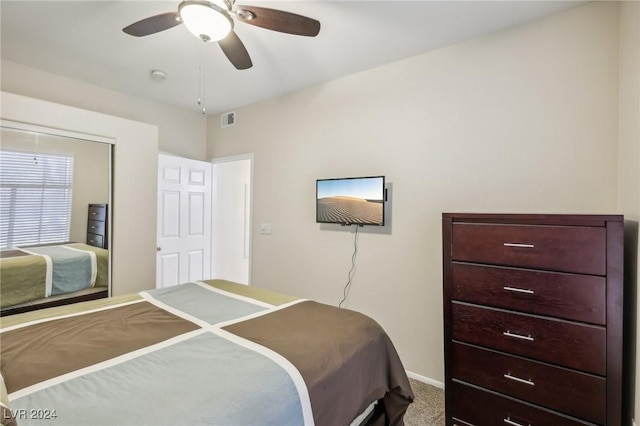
(278, 20)
(235, 51)
(153, 24)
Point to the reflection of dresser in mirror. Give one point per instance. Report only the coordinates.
(97, 225)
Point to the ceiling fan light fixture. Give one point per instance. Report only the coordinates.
(207, 21)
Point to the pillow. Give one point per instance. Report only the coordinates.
(6, 415)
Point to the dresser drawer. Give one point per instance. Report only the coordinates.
(578, 394)
(569, 296)
(482, 408)
(564, 343)
(95, 227)
(97, 213)
(95, 240)
(578, 249)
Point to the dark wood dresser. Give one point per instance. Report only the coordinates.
(533, 319)
(97, 225)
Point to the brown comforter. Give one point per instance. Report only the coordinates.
(346, 359)
(337, 351)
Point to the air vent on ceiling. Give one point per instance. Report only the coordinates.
(228, 119)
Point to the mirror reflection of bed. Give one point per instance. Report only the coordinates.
(54, 220)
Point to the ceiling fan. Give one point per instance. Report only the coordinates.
(213, 21)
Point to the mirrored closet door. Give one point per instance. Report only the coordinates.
(55, 192)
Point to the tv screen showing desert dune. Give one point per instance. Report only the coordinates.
(351, 201)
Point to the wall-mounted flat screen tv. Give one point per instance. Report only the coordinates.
(351, 201)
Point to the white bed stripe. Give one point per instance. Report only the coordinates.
(296, 377)
(234, 295)
(257, 314)
(48, 281)
(298, 381)
(292, 371)
(75, 314)
(94, 263)
(175, 311)
(105, 364)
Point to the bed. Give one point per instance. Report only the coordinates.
(40, 276)
(211, 353)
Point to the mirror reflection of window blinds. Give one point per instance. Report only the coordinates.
(35, 198)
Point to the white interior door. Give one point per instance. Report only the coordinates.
(184, 220)
(231, 245)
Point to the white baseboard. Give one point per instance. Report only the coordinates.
(427, 380)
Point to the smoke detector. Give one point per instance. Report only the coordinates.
(158, 75)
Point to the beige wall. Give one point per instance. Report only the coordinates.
(181, 132)
(524, 120)
(134, 207)
(629, 169)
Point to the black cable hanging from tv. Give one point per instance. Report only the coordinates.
(353, 266)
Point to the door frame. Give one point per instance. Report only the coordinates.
(249, 226)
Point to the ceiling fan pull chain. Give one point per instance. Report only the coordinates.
(199, 85)
(201, 89)
(204, 108)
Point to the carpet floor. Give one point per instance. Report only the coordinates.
(428, 406)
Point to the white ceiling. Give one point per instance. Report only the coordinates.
(83, 40)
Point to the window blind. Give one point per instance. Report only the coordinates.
(35, 198)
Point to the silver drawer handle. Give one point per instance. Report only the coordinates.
(517, 336)
(518, 379)
(511, 422)
(518, 290)
(519, 245)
